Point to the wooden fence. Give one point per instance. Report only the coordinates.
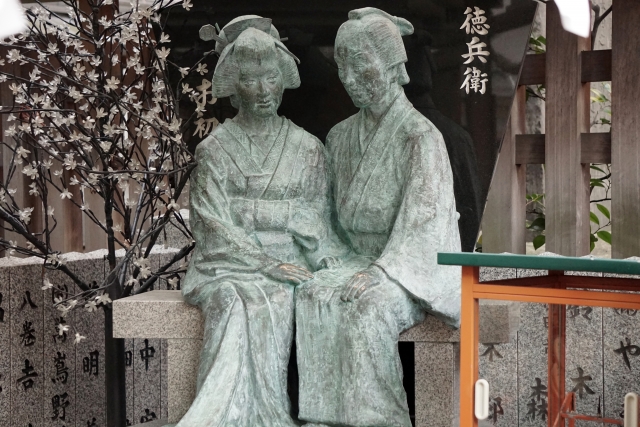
(567, 148)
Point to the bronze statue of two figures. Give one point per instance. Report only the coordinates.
(341, 241)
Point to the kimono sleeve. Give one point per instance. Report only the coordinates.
(220, 242)
(425, 225)
(311, 223)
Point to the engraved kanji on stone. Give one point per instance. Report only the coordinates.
(29, 374)
(60, 334)
(495, 410)
(535, 409)
(475, 80)
(147, 353)
(491, 351)
(627, 350)
(59, 404)
(475, 22)
(148, 416)
(625, 311)
(27, 337)
(128, 358)
(90, 364)
(62, 371)
(580, 382)
(476, 49)
(92, 423)
(574, 311)
(26, 300)
(59, 291)
(539, 390)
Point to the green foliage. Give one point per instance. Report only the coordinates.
(604, 210)
(538, 44)
(538, 241)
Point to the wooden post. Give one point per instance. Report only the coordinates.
(567, 116)
(503, 223)
(469, 332)
(625, 130)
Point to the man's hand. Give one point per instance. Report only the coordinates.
(358, 284)
(330, 262)
(288, 273)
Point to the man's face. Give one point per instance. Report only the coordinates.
(362, 73)
(260, 87)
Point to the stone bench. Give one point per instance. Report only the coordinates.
(164, 314)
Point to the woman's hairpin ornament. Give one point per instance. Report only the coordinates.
(208, 32)
(231, 32)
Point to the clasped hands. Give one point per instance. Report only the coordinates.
(353, 289)
(289, 273)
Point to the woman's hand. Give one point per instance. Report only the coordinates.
(288, 273)
(358, 284)
(330, 262)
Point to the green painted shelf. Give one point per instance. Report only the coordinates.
(560, 263)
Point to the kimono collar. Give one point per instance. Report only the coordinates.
(376, 144)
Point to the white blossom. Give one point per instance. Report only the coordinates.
(173, 282)
(90, 306)
(13, 55)
(66, 194)
(46, 284)
(103, 299)
(25, 215)
(78, 338)
(163, 53)
(131, 282)
(202, 69)
(62, 329)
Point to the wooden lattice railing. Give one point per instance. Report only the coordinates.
(567, 148)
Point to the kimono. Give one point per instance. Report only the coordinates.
(395, 206)
(252, 208)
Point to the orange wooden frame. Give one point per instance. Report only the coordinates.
(550, 289)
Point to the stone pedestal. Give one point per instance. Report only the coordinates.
(164, 314)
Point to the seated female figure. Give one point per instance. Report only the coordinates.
(259, 214)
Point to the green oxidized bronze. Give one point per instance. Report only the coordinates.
(360, 259)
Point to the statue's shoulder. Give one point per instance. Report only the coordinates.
(337, 133)
(419, 129)
(308, 141)
(210, 145)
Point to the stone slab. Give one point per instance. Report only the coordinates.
(532, 365)
(27, 346)
(498, 364)
(90, 352)
(147, 389)
(146, 314)
(5, 342)
(621, 339)
(584, 354)
(129, 379)
(435, 386)
(60, 369)
(182, 372)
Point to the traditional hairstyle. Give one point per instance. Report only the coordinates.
(250, 37)
(384, 32)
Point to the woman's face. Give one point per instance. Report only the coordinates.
(260, 87)
(361, 72)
